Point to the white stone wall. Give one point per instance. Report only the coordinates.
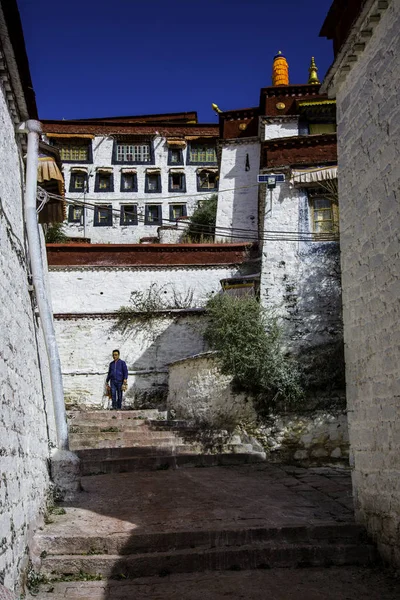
(102, 157)
(238, 206)
(197, 391)
(369, 184)
(86, 345)
(300, 282)
(277, 128)
(26, 412)
(105, 290)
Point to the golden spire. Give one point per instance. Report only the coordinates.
(280, 70)
(313, 77)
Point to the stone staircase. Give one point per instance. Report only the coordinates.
(127, 556)
(125, 441)
(138, 519)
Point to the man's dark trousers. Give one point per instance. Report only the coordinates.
(116, 393)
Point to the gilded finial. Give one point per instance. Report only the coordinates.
(313, 77)
(216, 108)
(280, 70)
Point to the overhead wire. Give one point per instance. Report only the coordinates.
(226, 232)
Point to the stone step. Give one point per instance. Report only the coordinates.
(263, 555)
(99, 415)
(160, 462)
(149, 449)
(133, 434)
(118, 442)
(128, 543)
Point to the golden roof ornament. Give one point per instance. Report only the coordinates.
(216, 108)
(313, 77)
(280, 70)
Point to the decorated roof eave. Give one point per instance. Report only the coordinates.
(301, 140)
(307, 89)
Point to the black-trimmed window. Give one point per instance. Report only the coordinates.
(324, 215)
(176, 182)
(207, 180)
(104, 182)
(75, 150)
(175, 156)
(138, 153)
(103, 215)
(129, 182)
(129, 214)
(153, 214)
(78, 182)
(201, 153)
(75, 214)
(153, 183)
(176, 211)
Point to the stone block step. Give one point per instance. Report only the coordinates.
(115, 426)
(100, 415)
(118, 442)
(148, 449)
(159, 462)
(263, 555)
(128, 543)
(133, 436)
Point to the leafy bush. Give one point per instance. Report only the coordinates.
(202, 222)
(55, 234)
(249, 346)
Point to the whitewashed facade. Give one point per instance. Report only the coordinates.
(128, 187)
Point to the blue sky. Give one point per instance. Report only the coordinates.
(95, 58)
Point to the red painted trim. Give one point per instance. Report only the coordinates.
(115, 255)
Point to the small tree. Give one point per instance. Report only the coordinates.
(249, 346)
(202, 222)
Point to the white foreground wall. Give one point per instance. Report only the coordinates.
(300, 282)
(86, 344)
(81, 290)
(26, 421)
(238, 205)
(85, 301)
(369, 184)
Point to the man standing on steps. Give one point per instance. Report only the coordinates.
(117, 379)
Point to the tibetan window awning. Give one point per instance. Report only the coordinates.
(207, 169)
(313, 175)
(88, 136)
(48, 171)
(128, 171)
(176, 143)
(50, 180)
(79, 170)
(104, 170)
(153, 171)
(201, 137)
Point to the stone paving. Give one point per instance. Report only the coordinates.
(344, 583)
(142, 507)
(259, 495)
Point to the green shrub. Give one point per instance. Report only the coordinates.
(55, 234)
(202, 222)
(249, 347)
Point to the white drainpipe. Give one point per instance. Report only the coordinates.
(34, 129)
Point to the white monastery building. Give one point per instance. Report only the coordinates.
(127, 176)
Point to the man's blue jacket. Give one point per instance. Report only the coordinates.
(117, 371)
